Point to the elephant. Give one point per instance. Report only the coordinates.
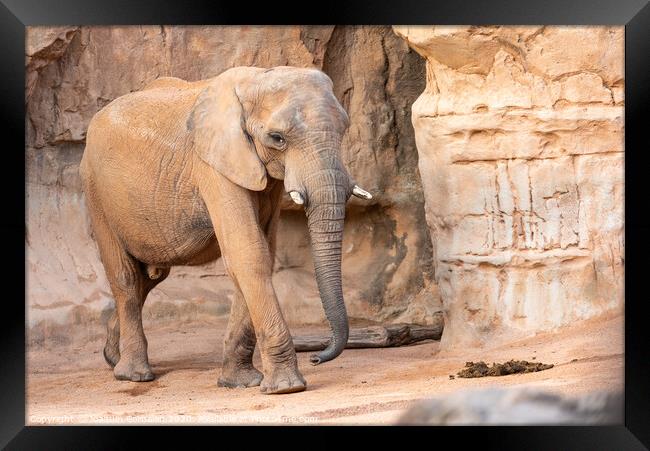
(182, 173)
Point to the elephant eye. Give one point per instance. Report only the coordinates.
(277, 138)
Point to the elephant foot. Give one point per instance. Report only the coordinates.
(111, 355)
(130, 371)
(283, 380)
(247, 376)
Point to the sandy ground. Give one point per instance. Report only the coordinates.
(73, 385)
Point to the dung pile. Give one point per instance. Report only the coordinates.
(481, 369)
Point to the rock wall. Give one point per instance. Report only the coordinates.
(508, 216)
(520, 140)
(72, 72)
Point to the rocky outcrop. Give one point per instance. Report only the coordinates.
(72, 72)
(520, 140)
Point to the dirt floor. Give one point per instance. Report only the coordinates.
(73, 385)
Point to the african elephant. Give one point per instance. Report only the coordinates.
(181, 173)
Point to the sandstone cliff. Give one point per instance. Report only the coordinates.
(520, 140)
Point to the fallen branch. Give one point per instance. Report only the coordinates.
(374, 337)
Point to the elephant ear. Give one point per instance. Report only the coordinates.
(220, 139)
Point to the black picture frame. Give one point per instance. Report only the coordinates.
(16, 15)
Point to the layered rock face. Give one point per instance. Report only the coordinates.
(520, 140)
(74, 72)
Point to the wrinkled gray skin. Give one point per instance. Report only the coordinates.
(182, 173)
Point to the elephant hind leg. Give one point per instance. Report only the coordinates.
(126, 344)
(112, 347)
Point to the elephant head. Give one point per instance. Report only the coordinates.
(286, 123)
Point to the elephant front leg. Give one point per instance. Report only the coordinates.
(247, 256)
(279, 361)
(238, 348)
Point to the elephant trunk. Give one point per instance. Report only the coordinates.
(327, 194)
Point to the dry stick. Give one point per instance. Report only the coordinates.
(374, 337)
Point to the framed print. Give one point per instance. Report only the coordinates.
(397, 215)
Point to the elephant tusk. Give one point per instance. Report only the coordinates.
(363, 194)
(297, 197)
